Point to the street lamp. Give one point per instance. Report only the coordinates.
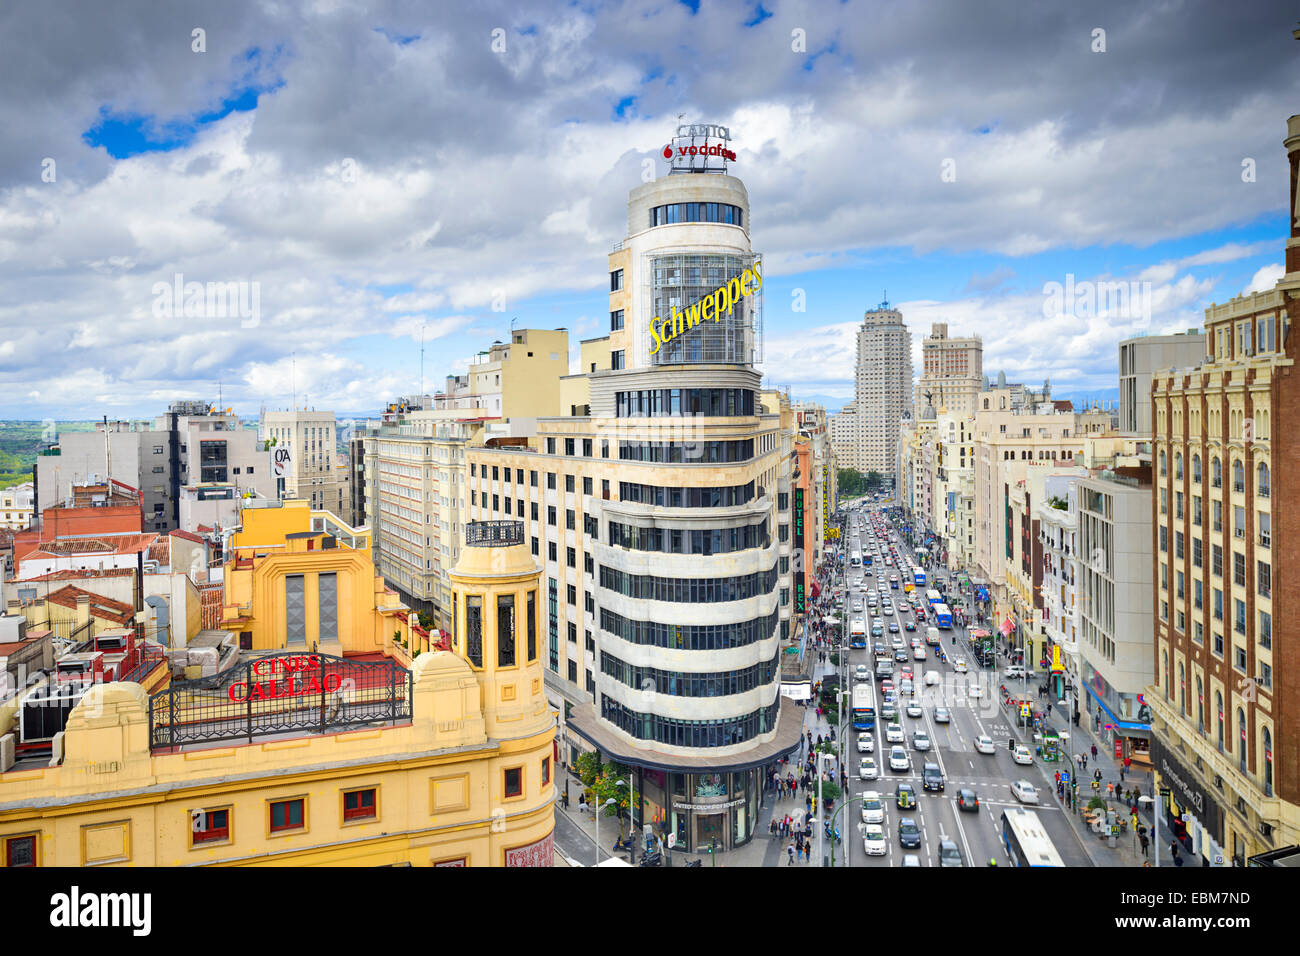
(631, 850)
(599, 810)
(1068, 704)
(1155, 817)
(821, 808)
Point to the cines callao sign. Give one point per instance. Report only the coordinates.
(722, 300)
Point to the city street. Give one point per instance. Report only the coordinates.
(974, 703)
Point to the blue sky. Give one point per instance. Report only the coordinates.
(460, 169)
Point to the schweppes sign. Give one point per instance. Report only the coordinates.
(721, 301)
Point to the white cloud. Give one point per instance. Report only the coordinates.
(1264, 279)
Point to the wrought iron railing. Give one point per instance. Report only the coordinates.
(280, 694)
(150, 658)
(494, 534)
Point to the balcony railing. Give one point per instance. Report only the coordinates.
(494, 534)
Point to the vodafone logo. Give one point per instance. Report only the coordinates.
(686, 151)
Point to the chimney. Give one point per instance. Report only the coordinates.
(83, 609)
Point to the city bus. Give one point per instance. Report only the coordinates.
(855, 559)
(868, 559)
(918, 577)
(858, 633)
(864, 707)
(1026, 841)
(933, 597)
(942, 617)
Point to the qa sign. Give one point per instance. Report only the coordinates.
(281, 462)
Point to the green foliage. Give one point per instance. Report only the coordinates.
(1096, 803)
(830, 791)
(426, 619)
(853, 483)
(601, 782)
(1059, 503)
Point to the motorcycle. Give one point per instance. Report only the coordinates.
(653, 859)
(832, 835)
(623, 844)
(695, 863)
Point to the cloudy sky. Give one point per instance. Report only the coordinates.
(375, 169)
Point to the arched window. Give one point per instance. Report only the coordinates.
(1200, 707)
(1241, 739)
(1268, 763)
(1163, 464)
(986, 404)
(1216, 472)
(1178, 465)
(1182, 689)
(1196, 468)
(1261, 480)
(1218, 702)
(1238, 475)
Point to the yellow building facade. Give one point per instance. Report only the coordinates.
(454, 767)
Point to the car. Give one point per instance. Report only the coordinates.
(893, 627)
(933, 678)
(910, 860)
(857, 604)
(973, 690)
(914, 709)
(906, 671)
(1014, 671)
(907, 688)
(878, 649)
(894, 734)
(884, 668)
(873, 840)
(867, 769)
(918, 653)
(888, 697)
(949, 855)
(1024, 791)
(959, 666)
(861, 673)
(897, 643)
(909, 834)
(900, 654)
(899, 761)
(905, 797)
(967, 800)
(1022, 756)
(932, 777)
(888, 711)
(942, 715)
(984, 744)
(909, 626)
(887, 683)
(871, 595)
(866, 742)
(920, 740)
(873, 807)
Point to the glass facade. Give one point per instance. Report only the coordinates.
(689, 637)
(671, 213)
(663, 402)
(717, 497)
(689, 541)
(672, 452)
(679, 282)
(688, 590)
(689, 684)
(726, 732)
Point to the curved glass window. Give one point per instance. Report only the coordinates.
(690, 733)
(663, 402)
(688, 590)
(696, 212)
(689, 637)
(719, 497)
(690, 540)
(678, 452)
(678, 684)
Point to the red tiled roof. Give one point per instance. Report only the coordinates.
(100, 606)
(104, 544)
(186, 536)
(204, 529)
(80, 573)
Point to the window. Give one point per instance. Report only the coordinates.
(616, 281)
(572, 595)
(1238, 521)
(1178, 465)
(359, 805)
(1238, 476)
(550, 450)
(1261, 480)
(616, 320)
(569, 446)
(1239, 623)
(20, 850)
(550, 514)
(505, 630)
(295, 609)
(586, 483)
(1164, 471)
(1196, 552)
(474, 629)
(1264, 578)
(534, 510)
(1216, 473)
(570, 521)
(550, 551)
(550, 479)
(532, 620)
(287, 815)
(546, 771)
(569, 483)
(532, 478)
(1196, 468)
(572, 557)
(1265, 630)
(1265, 528)
(616, 359)
(1238, 569)
(514, 776)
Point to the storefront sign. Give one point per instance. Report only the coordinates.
(800, 571)
(712, 306)
(1185, 789)
(708, 806)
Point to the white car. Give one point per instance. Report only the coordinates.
(861, 673)
(932, 678)
(887, 610)
(1024, 791)
(911, 860)
(914, 709)
(984, 744)
(866, 743)
(894, 734)
(959, 666)
(973, 690)
(867, 769)
(873, 807)
(942, 715)
(873, 840)
(918, 653)
(907, 687)
(899, 760)
(921, 740)
(1022, 756)
(897, 642)
(1015, 671)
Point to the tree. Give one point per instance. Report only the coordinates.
(873, 481)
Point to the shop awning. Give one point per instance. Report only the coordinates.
(1130, 727)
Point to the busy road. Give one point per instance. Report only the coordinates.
(953, 719)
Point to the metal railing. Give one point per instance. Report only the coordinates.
(494, 534)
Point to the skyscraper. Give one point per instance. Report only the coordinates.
(884, 391)
(951, 371)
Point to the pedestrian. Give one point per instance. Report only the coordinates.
(790, 853)
(1096, 775)
(1049, 710)
(1145, 843)
(771, 827)
(1058, 777)
(1094, 751)
(1121, 773)
(1110, 790)
(1085, 763)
